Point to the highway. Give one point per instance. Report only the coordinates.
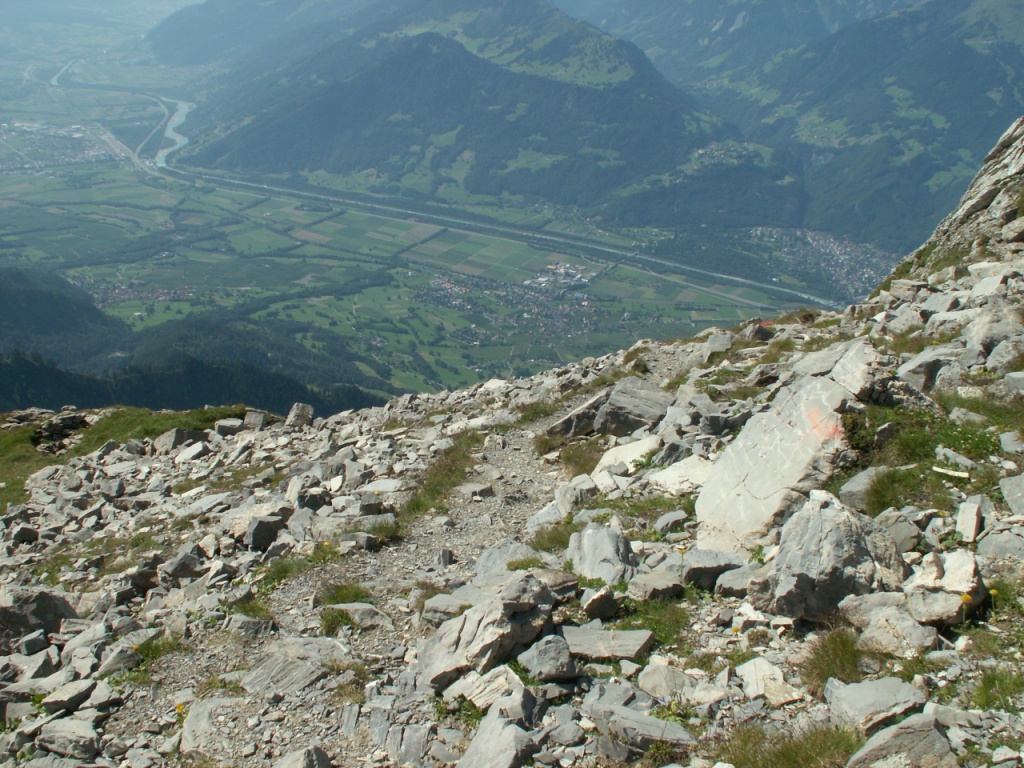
(553, 241)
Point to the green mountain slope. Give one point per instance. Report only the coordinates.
(440, 99)
(694, 40)
(181, 384)
(48, 315)
(429, 107)
(889, 117)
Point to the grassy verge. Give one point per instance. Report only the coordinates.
(449, 469)
(19, 457)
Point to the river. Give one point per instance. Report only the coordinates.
(182, 108)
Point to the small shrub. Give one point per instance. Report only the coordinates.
(424, 591)
(536, 411)
(159, 646)
(447, 471)
(333, 619)
(581, 458)
(659, 754)
(324, 554)
(777, 350)
(832, 654)
(343, 592)
(280, 571)
(215, 685)
(470, 714)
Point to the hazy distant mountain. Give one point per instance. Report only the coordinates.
(890, 117)
(493, 97)
(221, 29)
(693, 40)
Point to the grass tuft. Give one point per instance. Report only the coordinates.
(448, 470)
(833, 654)
(334, 619)
(998, 688)
(666, 619)
(555, 537)
(820, 746)
(343, 592)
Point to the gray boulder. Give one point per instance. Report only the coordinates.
(1013, 493)
(36, 607)
(200, 732)
(903, 530)
(945, 588)
(310, 757)
(549, 659)
(871, 704)
(886, 624)
(600, 552)
(917, 742)
(503, 740)
(69, 737)
(633, 404)
(855, 490)
(301, 415)
(277, 673)
(1007, 543)
(657, 585)
(826, 553)
(485, 635)
(703, 567)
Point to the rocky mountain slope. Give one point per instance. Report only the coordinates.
(798, 542)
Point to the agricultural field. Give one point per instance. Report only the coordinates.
(456, 306)
(421, 301)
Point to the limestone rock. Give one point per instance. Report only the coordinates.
(945, 588)
(766, 472)
(917, 742)
(600, 552)
(486, 634)
(826, 553)
(633, 404)
(549, 659)
(873, 703)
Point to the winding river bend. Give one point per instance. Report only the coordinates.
(175, 121)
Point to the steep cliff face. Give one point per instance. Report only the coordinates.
(637, 555)
(989, 221)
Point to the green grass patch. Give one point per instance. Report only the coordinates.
(343, 592)
(333, 619)
(822, 746)
(555, 537)
(666, 619)
(536, 411)
(832, 654)
(215, 686)
(253, 607)
(19, 457)
(448, 470)
(582, 458)
(999, 688)
(280, 571)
